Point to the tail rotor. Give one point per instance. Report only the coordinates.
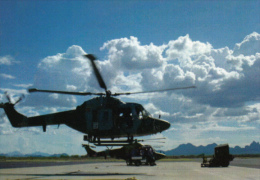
(9, 99)
(20, 99)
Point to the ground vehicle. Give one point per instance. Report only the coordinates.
(143, 155)
(220, 158)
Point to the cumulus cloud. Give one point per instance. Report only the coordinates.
(14, 92)
(6, 76)
(7, 60)
(249, 46)
(216, 72)
(184, 47)
(67, 71)
(23, 85)
(224, 78)
(129, 54)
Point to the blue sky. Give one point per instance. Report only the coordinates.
(142, 45)
(33, 30)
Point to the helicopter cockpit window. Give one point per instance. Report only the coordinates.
(141, 112)
(125, 112)
(146, 113)
(125, 116)
(140, 115)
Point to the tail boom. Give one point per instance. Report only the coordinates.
(19, 120)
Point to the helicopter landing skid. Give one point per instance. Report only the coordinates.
(100, 142)
(113, 143)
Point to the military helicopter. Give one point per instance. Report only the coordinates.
(135, 153)
(100, 117)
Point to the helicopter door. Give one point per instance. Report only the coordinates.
(88, 117)
(94, 120)
(125, 117)
(105, 121)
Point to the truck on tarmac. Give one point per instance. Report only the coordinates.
(220, 158)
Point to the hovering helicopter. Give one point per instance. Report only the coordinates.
(100, 117)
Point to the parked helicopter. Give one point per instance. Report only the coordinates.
(135, 153)
(100, 117)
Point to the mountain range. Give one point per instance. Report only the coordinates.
(35, 154)
(183, 149)
(190, 149)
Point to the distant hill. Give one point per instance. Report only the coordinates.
(13, 154)
(35, 154)
(253, 148)
(190, 149)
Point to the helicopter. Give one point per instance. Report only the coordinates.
(135, 153)
(102, 117)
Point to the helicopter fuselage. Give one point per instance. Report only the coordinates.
(100, 117)
(108, 117)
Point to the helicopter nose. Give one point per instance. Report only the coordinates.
(160, 156)
(161, 125)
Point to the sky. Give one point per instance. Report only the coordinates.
(141, 45)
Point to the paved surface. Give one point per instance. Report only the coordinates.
(246, 162)
(119, 170)
(22, 164)
(241, 162)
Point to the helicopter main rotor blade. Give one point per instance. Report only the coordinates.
(64, 92)
(101, 82)
(160, 90)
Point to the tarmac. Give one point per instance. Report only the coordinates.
(119, 170)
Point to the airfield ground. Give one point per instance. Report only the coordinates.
(182, 169)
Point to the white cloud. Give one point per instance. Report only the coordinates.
(216, 127)
(22, 85)
(129, 54)
(6, 76)
(249, 46)
(184, 47)
(7, 60)
(14, 91)
(68, 71)
(219, 56)
(219, 75)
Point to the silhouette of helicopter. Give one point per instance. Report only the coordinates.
(100, 117)
(135, 153)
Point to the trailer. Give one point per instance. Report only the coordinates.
(140, 160)
(220, 158)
